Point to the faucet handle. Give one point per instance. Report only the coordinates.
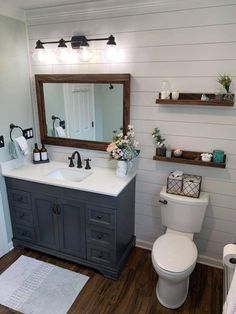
(87, 163)
(71, 164)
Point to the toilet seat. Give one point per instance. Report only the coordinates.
(174, 253)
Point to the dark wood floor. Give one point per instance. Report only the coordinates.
(134, 292)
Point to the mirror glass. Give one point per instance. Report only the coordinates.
(84, 111)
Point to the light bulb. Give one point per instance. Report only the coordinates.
(66, 55)
(44, 56)
(62, 54)
(39, 55)
(112, 53)
(50, 57)
(85, 54)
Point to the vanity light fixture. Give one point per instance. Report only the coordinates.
(79, 44)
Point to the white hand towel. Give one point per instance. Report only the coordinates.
(14, 150)
(230, 303)
(60, 131)
(22, 143)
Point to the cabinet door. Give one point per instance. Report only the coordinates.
(46, 220)
(72, 227)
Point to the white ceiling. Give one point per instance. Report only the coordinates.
(34, 4)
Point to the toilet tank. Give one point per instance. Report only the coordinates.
(183, 213)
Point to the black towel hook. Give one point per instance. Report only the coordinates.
(61, 122)
(12, 127)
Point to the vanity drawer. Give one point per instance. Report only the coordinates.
(100, 255)
(100, 236)
(22, 216)
(23, 233)
(101, 216)
(19, 198)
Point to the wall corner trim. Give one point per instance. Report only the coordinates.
(10, 246)
(11, 11)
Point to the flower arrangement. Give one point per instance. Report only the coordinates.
(124, 147)
(225, 81)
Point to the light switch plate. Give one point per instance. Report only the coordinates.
(28, 133)
(2, 141)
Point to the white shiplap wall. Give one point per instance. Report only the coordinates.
(188, 43)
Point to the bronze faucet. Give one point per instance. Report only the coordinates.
(79, 162)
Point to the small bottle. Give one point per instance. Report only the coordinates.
(36, 153)
(44, 153)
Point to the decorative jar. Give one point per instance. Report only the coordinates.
(218, 156)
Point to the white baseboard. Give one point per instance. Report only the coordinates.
(202, 259)
(209, 261)
(10, 246)
(144, 244)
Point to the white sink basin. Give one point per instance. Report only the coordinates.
(74, 175)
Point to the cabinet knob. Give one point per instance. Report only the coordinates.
(100, 236)
(58, 209)
(21, 215)
(99, 217)
(54, 208)
(100, 256)
(24, 233)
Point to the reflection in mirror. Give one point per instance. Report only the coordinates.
(85, 111)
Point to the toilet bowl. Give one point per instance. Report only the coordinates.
(174, 254)
(174, 258)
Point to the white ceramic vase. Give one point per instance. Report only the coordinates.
(122, 168)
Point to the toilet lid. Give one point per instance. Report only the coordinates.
(174, 253)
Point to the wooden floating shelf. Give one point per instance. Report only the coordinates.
(195, 100)
(191, 158)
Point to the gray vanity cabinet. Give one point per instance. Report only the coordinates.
(91, 229)
(71, 227)
(45, 220)
(59, 224)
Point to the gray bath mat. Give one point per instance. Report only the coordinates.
(34, 287)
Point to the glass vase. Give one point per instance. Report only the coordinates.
(228, 96)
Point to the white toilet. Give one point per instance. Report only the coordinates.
(174, 254)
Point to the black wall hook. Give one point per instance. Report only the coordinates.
(12, 127)
(61, 122)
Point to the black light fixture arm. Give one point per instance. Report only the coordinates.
(76, 41)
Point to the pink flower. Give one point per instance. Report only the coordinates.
(111, 147)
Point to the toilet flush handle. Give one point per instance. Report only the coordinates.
(163, 202)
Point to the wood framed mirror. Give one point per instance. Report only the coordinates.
(82, 110)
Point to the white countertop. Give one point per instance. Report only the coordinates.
(102, 180)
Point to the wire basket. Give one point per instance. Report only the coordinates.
(187, 185)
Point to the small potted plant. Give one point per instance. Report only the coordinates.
(225, 81)
(159, 140)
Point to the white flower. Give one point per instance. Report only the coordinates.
(136, 143)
